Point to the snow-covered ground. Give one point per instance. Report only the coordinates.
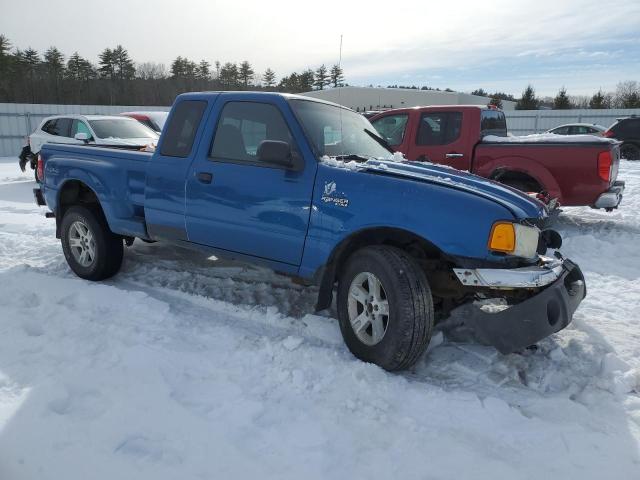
(186, 367)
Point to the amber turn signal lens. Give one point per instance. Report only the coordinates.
(502, 238)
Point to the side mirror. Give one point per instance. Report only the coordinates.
(82, 136)
(276, 153)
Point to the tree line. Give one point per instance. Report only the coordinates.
(26, 76)
(626, 95)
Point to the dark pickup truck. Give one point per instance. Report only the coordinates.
(574, 170)
(309, 189)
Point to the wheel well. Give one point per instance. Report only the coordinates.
(520, 180)
(428, 255)
(75, 192)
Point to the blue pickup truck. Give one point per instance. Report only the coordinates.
(309, 189)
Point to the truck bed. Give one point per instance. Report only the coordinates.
(120, 173)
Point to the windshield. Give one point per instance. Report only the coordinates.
(121, 128)
(336, 131)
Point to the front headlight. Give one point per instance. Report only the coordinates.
(514, 239)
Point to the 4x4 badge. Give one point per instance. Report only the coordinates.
(330, 195)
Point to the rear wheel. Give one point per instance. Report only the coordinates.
(630, 151)
(385, 307)
(92, 250)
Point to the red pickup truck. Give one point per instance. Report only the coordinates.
(576, 170)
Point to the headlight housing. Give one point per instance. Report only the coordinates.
(514, 239)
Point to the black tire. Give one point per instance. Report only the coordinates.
(410, 320)
(630, 151)
(108, 246)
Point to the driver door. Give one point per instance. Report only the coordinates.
(235, 202)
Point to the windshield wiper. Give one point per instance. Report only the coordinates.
(351, 156)
(380, 140)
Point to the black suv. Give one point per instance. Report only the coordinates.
(627, 130)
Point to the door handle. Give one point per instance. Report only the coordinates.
(204, 177)
(454, 155)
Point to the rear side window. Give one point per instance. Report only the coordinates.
(181, 130)
(392, 128)
(243, 126)
(628, 128)
(439, 128)
(493, 122)
(60, 127)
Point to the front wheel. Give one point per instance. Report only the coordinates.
(630, 151)
(385, 307)
(92, 250)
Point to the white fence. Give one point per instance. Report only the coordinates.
(525, 122)
(18, 120)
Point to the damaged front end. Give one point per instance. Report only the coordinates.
(537, 300)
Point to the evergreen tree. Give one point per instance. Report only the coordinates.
(336, 76)
(496, 102)
(528, 101)
(54, 62)
(480, 93)
(321, 78)
(54, 67)
(599, 101)
(269, 78)
(203, 71)
(561, 101)
(229, 76)
(79, 68)
(306, 81)
(5, 56)
(124, 67)
(5, 67)
(107, 64)
(246, 73)
(217, 64)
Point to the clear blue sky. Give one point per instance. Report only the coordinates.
(581, 44)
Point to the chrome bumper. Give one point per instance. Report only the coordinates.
(534, 276)
(612, 197)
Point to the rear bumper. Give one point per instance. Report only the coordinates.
(525, 323)
(37, 195)
(612, 197)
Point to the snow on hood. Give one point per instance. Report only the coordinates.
(519, 203)
(548, 138)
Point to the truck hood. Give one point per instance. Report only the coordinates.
(520, 204)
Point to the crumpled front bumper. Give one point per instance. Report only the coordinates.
(612, 197)
(548, 311)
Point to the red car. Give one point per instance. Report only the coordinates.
(575, 170)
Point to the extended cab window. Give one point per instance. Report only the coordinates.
(180, 132)
(493, 122)
(243, 126)
(392, 128)
(439, 128)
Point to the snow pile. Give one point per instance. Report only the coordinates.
(398, 157)
(334, 162)
(187, 367)
(547, 138)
